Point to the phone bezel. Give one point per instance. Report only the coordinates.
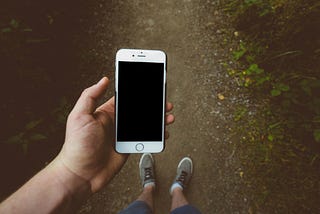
(138, 55)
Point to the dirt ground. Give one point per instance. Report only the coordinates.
(192, 34)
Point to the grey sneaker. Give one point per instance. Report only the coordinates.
(184, 174)
(146, 167)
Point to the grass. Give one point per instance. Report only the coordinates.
(278, 63)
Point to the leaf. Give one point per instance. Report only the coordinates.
(16, 139)
(275, 92)
(33, 124)
(27, 30)
(254, 68)
(274, 125)
(241, 174)
(6, 30)
(220, 96)
(270, 137)
(261, 80)
(250, 59)
(238, 54)
(14, 23)
(38, 137)
(316, 135)
(240, 113)
(283, 87)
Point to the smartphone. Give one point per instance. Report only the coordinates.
(140, 98)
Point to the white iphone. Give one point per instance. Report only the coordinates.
(140, 97)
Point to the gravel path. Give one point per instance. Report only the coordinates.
(194, 36)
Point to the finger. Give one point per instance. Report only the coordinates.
(169, 106)
(87, 102)
(108, 107)
(166, 135)
(169, 119)
(110, 104)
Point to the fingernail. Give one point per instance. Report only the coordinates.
(102, 80)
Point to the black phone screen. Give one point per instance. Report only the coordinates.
(140, 101)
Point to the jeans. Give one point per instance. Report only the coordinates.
(140, 207)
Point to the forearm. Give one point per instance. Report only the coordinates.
(55, 189)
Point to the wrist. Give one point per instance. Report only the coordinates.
(73, 187)
(55, 189)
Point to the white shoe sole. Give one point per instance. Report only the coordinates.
(188, 159)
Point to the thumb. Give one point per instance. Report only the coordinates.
(87, 103)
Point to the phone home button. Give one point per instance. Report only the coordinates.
(139, 147)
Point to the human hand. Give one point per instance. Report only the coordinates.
(85, 164)
(88, 149)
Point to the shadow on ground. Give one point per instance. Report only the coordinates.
(45, 63)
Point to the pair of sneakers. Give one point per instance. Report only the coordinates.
(147, 175)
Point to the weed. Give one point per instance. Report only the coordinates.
(38, 130)
(27, 135)
(279, 63)
(15, 26)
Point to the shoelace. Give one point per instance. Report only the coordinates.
(147, 173)
(181, 179)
